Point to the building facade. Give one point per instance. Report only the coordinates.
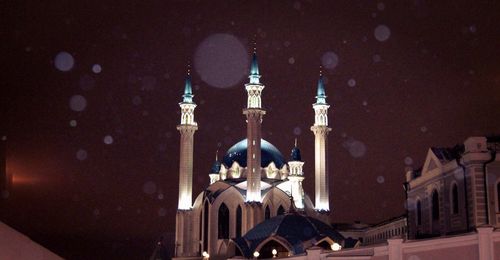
(456, 190)
(252, 184)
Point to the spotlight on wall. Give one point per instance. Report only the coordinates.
(336, 247)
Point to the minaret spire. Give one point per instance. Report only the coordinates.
(320, 130)
(188, 90)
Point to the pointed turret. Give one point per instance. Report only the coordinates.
(296, 177)
(321, 94)
(254, 70)
(188, 90)
(296, 152)
(214, 171)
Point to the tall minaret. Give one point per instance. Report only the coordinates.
(187, 128)
(254, 114)
(186, 240)
(320, 130)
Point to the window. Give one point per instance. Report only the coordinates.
(281, 211)
(454, 198)
(223, 222)
(419, 213)
(267, 214)
(435, 205)
(498, 196)
(205, 226)
(238, 221)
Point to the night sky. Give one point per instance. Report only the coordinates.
(90, 91)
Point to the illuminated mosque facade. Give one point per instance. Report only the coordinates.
(255, 203)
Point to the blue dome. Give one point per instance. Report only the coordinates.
(238, 153)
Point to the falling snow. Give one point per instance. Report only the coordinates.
(297, 130)
(64, 61)
(351, 82)
(81, 155)
(149, 187)
(355, 148)
(221, 60)
(77, 103)
(108, 139)
(96, 68)
(329, 60)
(382, 33)
(408, 160)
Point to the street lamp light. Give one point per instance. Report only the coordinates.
(274, 252)
(205, 255)
(256, 254)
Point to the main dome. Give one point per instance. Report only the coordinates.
(238, 153)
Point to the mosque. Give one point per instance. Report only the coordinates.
(255, 205)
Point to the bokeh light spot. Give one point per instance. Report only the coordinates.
(96, 68)
(149, 187)
(108, 139)
(382, 33)
(221, 60)
(64, 61)
(81, 155)
(77, 103)
(329, 60)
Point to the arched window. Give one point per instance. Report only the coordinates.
(267, 214)
(454, 198)
(435, 205)
(205, 226)
(223, 222)
(419, 213)
(281, 210)
(238, 221)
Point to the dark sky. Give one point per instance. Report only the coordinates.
(93, 145)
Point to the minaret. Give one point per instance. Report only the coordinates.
(186, 237)
(254, 114)
(296, 177)
(187, 128)
(320, 130)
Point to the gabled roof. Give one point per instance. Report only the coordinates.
(297, 231)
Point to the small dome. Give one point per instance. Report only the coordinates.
(299, 231)
(238, 153)
(215, 167)
(296, 154)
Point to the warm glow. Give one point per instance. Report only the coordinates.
(22, 180)
(184, 203)
(256, 254)
(205, 254)
(336, 247)
(274, 252)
